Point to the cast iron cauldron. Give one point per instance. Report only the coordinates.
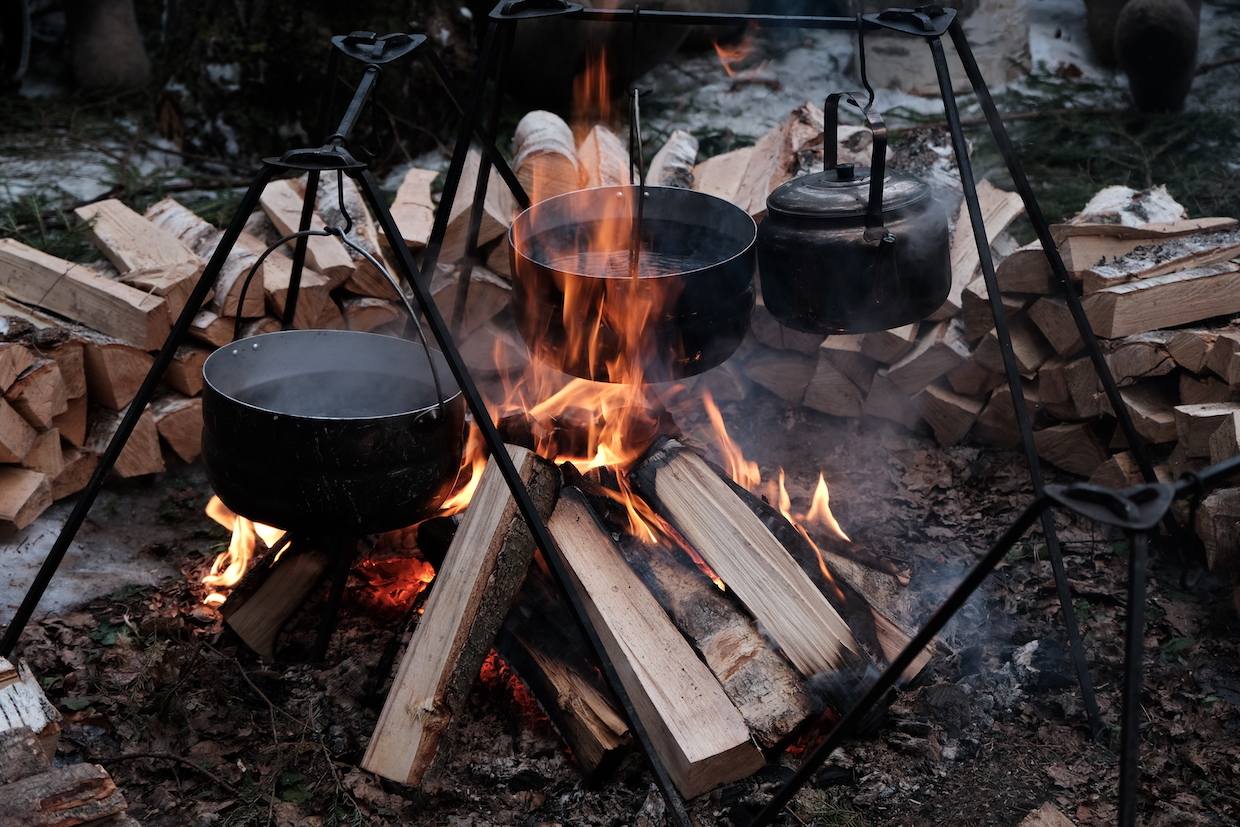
(329, 431)
(696, 265)
(853, 250)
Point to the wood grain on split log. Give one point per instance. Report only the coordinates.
(544, 156)
(184, 373)
(697, 732)
(1139, 356)
(473, 589)
(202, 237)
(178, 420)
(72, 423)
(488, 295)
(497, 346)
(149, 258)
(1120, 471)
(282, 201)
(413, 209)
(1224, 442)
(39, 393)
(971, 379)
(996, 423)
(141, 454)
(785, 373)
(1029, 347)
(22, 703)
(887, 346)
(277, 276)
(1082, 246)
(887, 401)
(999, 209)
(366, 279)
(16, 434)
(939, 348)
(71, 356)
(949, 414)
(1191, 348)
(497, 210)
(1165, 301)
(45, 455)
(977, 314)
(1195, 390)
(603, 160)
(114, 371)
(1085, 388)
(212, 329)
(73, 291)
(1054, 320)
(1218, 526)
(1224, 357)
(830, 391)
(76, 794)
(366, 313)
(747, 557)
(1073, 447)
(672, 165)
(726, 381)
(14, 359)
(721, 175)
(767, 330)
(77, 466)
(259, 606)
(1151, 412)
(1187, 253)
(845, 352)
(24, 495)
(1196, 423)
(762, 685)
(21, 756)
(1026, 270)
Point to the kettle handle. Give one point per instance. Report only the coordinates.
(874, 229)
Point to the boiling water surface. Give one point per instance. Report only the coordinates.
(339, 394)
(615, 264)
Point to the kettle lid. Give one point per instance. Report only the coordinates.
(843, 192)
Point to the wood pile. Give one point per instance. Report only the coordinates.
(35, 794)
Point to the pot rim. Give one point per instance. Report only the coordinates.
(528, 217)
(416, 413)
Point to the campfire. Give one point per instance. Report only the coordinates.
(724, 619)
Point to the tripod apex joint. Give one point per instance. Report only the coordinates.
(929, 20)
(369, 47)
(522, 9)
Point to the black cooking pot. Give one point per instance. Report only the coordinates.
(329, 431)
(853, 250)
(573, 284)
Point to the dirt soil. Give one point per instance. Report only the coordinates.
(197, 730)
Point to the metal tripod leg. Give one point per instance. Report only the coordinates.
(147, 390)
(1014, 384)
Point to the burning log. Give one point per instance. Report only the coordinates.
(540, 640)
(473, 590)
(762, 685)
(747, 557)
(263, 601)
(697, 732)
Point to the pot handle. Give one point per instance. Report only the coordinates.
(874, 229)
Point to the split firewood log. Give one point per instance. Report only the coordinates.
(178, 421)
(197, 233)
(672, 165)
(24, 495)
(1172, 256)
(999, 209)
(366, 279)
(1083, 246)
(75, 292)
(77, 466)
(16, 434)
(721, 175)
(413, 209)
(603, 159)
(23, 705)
(154, 260)
(141, 454)
(38, 394)
(544, 156)
(282, 201)
(498, 209)
(1165, 300)
(276, 278)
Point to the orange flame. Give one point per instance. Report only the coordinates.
(231, 565)
(473, 463)
(731, 56)
(742, 471)
(592, 90)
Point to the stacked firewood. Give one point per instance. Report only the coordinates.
(35, 794)
(76, 341)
